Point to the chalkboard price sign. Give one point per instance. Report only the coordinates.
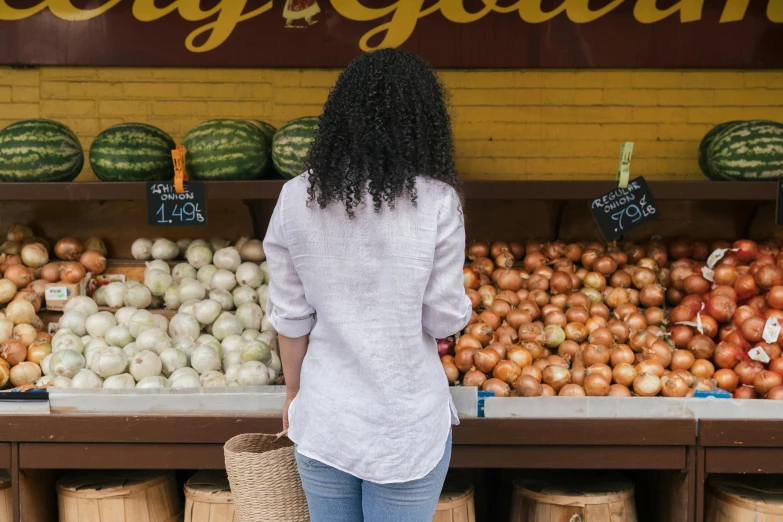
(621, 210)
(167, 208)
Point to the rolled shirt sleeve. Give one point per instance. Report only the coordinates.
(446, 308)
(287, 307)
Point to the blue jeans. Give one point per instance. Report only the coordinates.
(335, 496)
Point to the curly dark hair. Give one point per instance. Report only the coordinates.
(385, 123)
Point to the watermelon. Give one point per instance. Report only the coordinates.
(291, 144)
(751, 150)
(704, 147)
(39, 150)
(269, 133)
(224, 150)
(132, 152)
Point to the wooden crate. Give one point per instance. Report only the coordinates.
(119, 496)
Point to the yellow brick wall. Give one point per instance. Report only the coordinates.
(508, 124)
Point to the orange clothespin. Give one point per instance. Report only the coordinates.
(180, 174)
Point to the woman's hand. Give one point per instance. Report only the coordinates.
(288, 400)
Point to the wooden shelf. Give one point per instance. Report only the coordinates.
(526, 190)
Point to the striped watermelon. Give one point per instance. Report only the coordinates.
(39, 150)
(751, 150)
(704, 147)
(224, 150)
(269, 133)
(291, 145)
(132, 152)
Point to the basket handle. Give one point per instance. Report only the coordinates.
(280, 435)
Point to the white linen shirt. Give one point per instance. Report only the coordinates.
(373, 292)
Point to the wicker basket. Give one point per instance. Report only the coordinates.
(264, 479)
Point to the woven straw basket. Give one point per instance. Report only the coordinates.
(264, 479)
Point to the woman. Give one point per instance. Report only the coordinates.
(365, 255)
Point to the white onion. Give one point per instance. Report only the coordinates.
(86, 379)
(145, 364)
(223, 280)
(163, 322)
(138, 297)
(250, 315)
(132, 283)
(275, 363)
(20, 311)
(264, 270)
(6, 330)
(65, 340)
(224, 298)
(97, 244)
(141, 321)
(232, 371)
(154, 381)
(198, 255)
(114, 294)
(61, 382)
(241, 242)
(25, 373)
(182, 271)
(182, 372)
(66, 363)
(217, 243)
(82, 304)
(75, 322)
(226, 325)
(204, 275)
(249, 335)
(157, 281)
(99, 296)
(186, 381)
(252, 250)
(269, 337)
(266, 325)
(253, 373)
(227, 259)
(157, 264)
(191, 289)
(171, 297)
(45, 368)
(86, 339)
(109, 361)
(164, 249)
(204, 359)
(154, 340)
(184, 325)
(172, 360)
(35, 255)
(141, 249)
(214, 345)
(183, 245)
(231, 384)
(256, 351)
(232, 359)
(118, 336)
(233, 343)
(94, 346)
(97, 324)
(124, 314)
(213, 379)
(123, 381)
(130, 350)
(272, 375)
(205, 338)
(188, 307)
(244, 294)
(43, 381)
(184, 343)
(198, 242)
(207, 311)
(7, 290)
(248, 274)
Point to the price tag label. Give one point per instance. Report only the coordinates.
(624, 209)
(758, 354)
(771, 330)
(167, 208)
